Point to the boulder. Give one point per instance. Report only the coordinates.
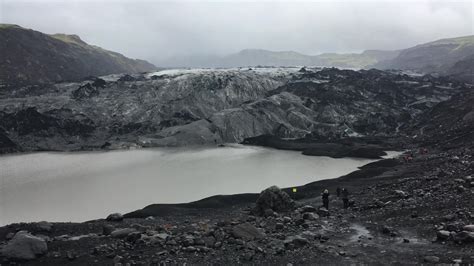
(25, 246)
(296, 241)
(310, 216)
(275, 199)
(401, 193)
(122, 233)
(115, 217)
(246, 231)
(279, 226)
(107, 229)
(431, 259)
(308, 208)
(443, 235)
(323, 212)
(464, 237)
(469, 227)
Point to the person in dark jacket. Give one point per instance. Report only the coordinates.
(325, 197)
(338, 192)
(345, 198)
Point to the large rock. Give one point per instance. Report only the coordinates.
(122, 233)
(443, 235)
(275, 199)
(25, 246)
(115, 217)
(295, 241)
(469, 227)
(246, 231)
(464, 237)
(431, 259)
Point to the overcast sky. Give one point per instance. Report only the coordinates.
(159, 29)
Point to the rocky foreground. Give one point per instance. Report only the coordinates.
(402, 212)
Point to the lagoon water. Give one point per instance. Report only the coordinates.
(82, 186)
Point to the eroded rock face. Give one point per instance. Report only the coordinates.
(274, 199)
(25, 246)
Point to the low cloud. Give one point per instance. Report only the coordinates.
(159, 29)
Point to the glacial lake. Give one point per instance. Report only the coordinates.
(81, 186)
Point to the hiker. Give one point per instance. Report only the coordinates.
(325, 197)
(338, 191)
(345, 198)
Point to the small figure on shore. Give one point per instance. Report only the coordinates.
(407, 158)
(338, 192)
(325, 197)
(345, 198)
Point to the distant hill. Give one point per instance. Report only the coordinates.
(260, 57)
(446, 56)
(29, 57)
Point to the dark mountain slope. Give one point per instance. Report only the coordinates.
(30, 57)
(463, 69)
(438, 56)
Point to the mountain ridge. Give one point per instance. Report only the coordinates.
(33, 57)
(439, 56)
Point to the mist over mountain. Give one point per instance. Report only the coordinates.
(261, 57)
(451, 56)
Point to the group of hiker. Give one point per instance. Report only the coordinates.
(344, 193)
(409, 156)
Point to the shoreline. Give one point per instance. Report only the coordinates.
(396, 212)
